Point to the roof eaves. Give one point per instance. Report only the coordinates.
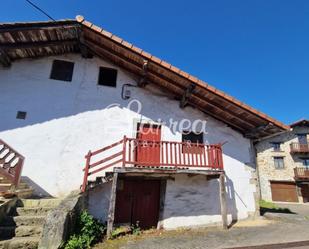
(176, 70)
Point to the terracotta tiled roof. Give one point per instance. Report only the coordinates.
(70, 36)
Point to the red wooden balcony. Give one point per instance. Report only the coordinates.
(301, 173)
(299, 148)
(11, 163)
(131, 152)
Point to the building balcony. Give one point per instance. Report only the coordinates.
(156, 155)
(299, 148)
(301, 173)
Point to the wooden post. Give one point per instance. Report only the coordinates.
(223, 200)
(86, 173)
(112, 204)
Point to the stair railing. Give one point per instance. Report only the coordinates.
(11, 163)
(134, 152)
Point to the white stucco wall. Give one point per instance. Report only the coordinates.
(66, 119)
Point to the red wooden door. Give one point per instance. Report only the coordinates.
(148, 148)
(138, 201)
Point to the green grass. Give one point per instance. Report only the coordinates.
(266, 206)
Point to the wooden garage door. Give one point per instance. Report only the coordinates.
(284, 191)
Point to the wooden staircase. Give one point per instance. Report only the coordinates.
(7, 189)
(11, 164)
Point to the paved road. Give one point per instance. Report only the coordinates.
(302, 209)
(238, 236)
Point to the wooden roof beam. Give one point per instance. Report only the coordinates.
(260, 129)
(36, 44)
(185, 97)
(101, 47)
(143, 81)
(135, 69)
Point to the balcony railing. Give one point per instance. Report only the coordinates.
(301, 173)
(299, 148)
(11, 163)
(131, 152)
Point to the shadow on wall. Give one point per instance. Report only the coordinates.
(200, 199)
(38, 191)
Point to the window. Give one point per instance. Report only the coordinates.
(21, 115)
(62, 70)
(302, 138)
(276, 146)
(306, 162)
(107, 77)
(279, 162)
(192, 137)
(192, 140)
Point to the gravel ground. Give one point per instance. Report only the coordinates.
(245, 233)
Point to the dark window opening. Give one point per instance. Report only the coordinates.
(193, 142)
(276, 146)
(21, 115)
(62, 70)
(306, 162)
(107, 77)
(302, 138)
(279, 162)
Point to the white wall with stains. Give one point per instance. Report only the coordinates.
(66, 119)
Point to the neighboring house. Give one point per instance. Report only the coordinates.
(283, 164)
(68, 87)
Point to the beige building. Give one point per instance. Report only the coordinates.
(283, 164)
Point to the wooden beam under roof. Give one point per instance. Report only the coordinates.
(38, 44)
(100, 52)
(154, 77)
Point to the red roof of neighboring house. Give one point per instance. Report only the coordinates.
(35, 39)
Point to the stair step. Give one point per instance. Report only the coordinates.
(20, 243)
(24, 193)
(48, 203)
(29, 220)
(31, 211)
(28, 231)
(5, 184)
(22, 185)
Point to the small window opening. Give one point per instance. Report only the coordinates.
(279, 162)
(193, 142)
(62, 70)
(21, 115)
(107, 77)
(276, 146)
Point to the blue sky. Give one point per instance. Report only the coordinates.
(254, 50)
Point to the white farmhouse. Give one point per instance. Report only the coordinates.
(163, 148)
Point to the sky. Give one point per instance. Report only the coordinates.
(255, 50)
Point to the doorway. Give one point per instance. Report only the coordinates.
(138, 201)
(148, 146)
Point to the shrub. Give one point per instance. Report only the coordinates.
(88, 231)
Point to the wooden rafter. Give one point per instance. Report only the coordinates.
(185, 97)
(155, 78)
(176, 91)
(27, 45)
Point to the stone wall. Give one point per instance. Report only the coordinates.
(60, 222)
(265, 160)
